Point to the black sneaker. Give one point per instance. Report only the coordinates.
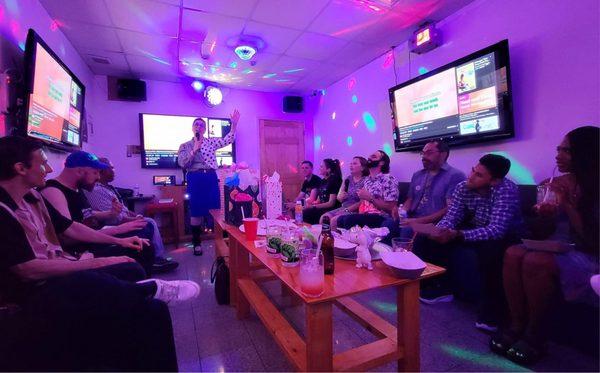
(435, 295)
(162, 265)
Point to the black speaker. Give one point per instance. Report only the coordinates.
(293, 104)
(131, 89)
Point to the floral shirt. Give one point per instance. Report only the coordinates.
(206, 157)
(381, 186)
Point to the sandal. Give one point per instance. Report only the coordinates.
(502, 341)
(524, 353)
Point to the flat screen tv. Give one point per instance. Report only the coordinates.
(54, 97)
(161, 136)
(466, 101)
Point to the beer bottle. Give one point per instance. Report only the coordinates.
(327, 246)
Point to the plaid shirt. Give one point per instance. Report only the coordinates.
(101, 197)
(490, 217)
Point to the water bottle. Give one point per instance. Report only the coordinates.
(402, 213)
(136, 190)
(298, 212)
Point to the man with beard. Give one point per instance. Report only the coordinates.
(66, 195)
(378, 199)
(430, 191)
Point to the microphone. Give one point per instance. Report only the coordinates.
(346, 184)
(197, 135)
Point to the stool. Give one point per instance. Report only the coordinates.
(172, 209)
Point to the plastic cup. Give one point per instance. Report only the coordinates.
(402, 244)
(312, 273)
(251, 228)
(274, 240)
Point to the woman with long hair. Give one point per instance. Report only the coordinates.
(532, 278)
(347, 194)
(324, 198)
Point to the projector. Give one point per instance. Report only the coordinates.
(426, 38)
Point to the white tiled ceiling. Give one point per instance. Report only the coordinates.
(309, 44)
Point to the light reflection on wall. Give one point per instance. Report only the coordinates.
(387, 148)
(349, 140)
(518, 173)
(317, 142)
(369, 122)
(354, 99)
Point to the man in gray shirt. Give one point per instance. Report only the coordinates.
(431, 188)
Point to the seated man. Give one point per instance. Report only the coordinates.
(104, 197)
(378, 198)
(76, 314)
(430, 191)
(485, 215)
(65, 194)
(311, 181)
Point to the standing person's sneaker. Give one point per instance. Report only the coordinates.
(435, 295)
(162, 265)
(174, 291)
(198, 250)
(487, 326)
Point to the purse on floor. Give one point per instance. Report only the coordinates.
(219, 275)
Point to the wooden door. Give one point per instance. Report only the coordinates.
(282, 150)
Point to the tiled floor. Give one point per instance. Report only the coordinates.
(210, 338)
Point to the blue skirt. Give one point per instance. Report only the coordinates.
(203, 189)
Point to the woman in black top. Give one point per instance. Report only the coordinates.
(324, 198)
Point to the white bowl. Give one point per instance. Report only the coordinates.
(404, 264)
(343, 248)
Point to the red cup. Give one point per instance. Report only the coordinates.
(251, 228)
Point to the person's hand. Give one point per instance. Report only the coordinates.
(408, 222)
(445, 235)
(135, 243)
(364, 194)
(197, 145)
(112, 260)
(116, 207)
(235, 117)
(308, 202)
(133, 225)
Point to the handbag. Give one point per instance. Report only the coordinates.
(219, 275)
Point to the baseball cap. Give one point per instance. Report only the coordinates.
(84, 159)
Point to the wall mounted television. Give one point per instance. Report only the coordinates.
(161, 135)
(466, 101)
(54, 98)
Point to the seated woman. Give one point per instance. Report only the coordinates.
(324, 198)
(532, 278)
(347, 194)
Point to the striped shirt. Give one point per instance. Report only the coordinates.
(491, 217)
(206, 157)
(101, 197)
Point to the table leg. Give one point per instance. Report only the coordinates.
(242, 270)
(409, 327)
(319, 337)
(232, 271)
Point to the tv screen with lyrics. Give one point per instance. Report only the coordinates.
(55, 99)
(468, 100)
(161, 135)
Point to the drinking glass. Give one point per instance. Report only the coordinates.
(402, 244)
(312, 273)
(274, 240)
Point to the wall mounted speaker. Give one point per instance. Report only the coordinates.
(131, 90)
(293, 104)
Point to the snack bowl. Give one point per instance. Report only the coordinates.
(404, 264)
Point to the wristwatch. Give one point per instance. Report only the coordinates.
(346, 210)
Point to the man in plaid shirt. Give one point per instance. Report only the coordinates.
(485, 216)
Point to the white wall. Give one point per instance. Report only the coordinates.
(554, 51)
(116, 124)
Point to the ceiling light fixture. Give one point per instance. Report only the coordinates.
(197, 85)
(213, 96)
(245, 52)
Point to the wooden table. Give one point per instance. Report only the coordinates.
(315, 353)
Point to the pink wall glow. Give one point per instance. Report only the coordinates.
(116, 124)
(554, 54)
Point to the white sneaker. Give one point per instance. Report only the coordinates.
(174, 291)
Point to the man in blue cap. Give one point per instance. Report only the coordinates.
(82, 171)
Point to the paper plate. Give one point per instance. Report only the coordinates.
(376, 250)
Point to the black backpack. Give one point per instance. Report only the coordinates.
(219, 275)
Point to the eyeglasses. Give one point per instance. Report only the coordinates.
(429, 152)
